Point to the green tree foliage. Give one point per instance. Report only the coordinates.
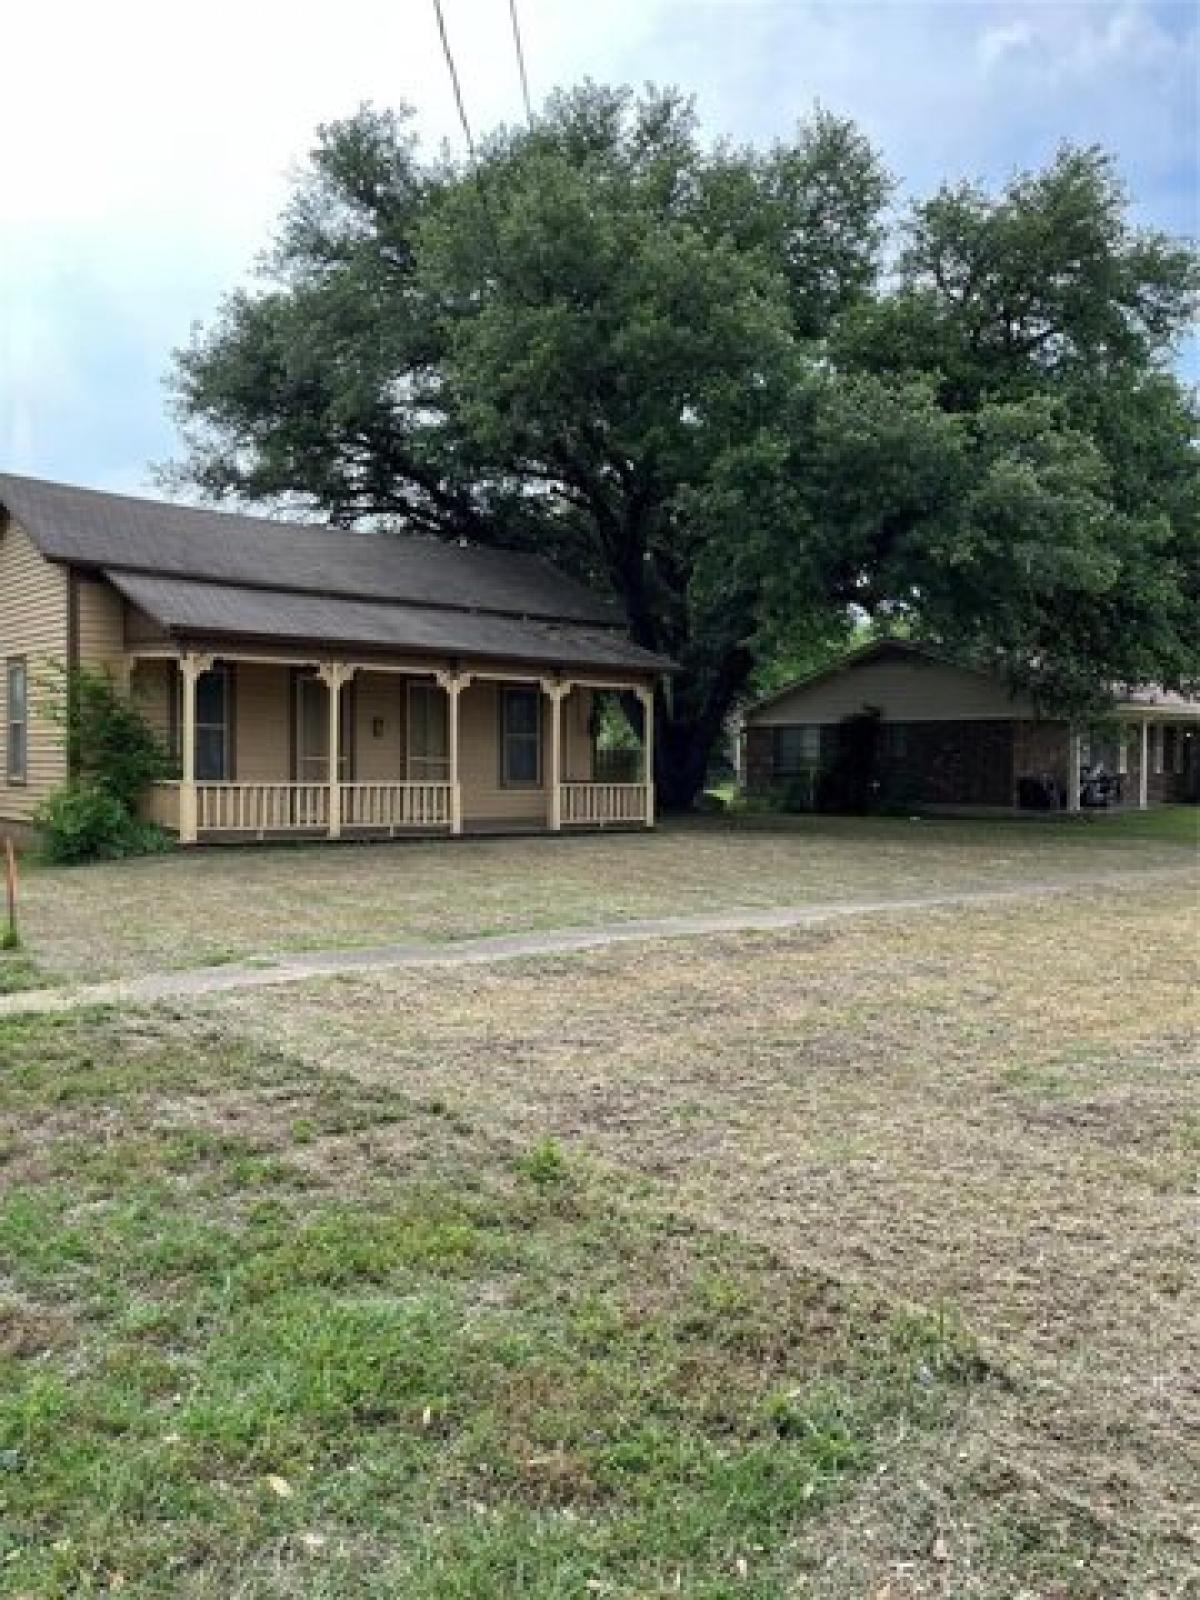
(675, 369)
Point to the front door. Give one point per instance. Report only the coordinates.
(312, 731)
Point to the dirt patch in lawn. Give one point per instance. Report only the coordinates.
(989, 1111)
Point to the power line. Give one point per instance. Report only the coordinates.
(516, 28)
(458, 96)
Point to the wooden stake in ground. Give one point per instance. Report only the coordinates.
(11, 939)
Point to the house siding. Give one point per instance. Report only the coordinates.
(902, 687)
(33, 624)
(485, 798)
(100, 627)
(381, 700)
(151, 686)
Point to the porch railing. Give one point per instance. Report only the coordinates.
(261, 807)
(595, 804)
(395, 805)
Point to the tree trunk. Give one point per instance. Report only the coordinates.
(683, 746)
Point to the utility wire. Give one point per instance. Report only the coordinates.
(516, 28)
(458, 96)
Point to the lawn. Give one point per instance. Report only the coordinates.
(991, 1112)
(853, 1261)
(217, 905)
(267, 1329)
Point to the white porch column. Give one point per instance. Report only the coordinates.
(1144, 768)
(1074, 768)
(333, 675)
(646, 696)
(191, 665)
(556, 692)
(453, 683)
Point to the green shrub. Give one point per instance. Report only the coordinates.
(113, 755)
(86, 822)
(109, 742)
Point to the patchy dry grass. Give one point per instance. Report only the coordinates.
(267, 1330)
(209, 906)
(992, 1111)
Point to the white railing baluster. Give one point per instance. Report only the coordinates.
(240, 808)
(595, 804)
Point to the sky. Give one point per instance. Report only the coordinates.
(150, 143)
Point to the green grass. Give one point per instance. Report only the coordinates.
(1166, 824)
(267, 1331)
(18, 971)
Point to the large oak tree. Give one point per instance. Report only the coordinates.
(679, 371)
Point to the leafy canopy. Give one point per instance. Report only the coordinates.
(678, 370)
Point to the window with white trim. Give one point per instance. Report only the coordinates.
(16, 716)
(428, 747)
(1158, 739)
(520, 737)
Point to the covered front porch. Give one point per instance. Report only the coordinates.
(273, 746)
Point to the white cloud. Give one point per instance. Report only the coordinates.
(997, 43)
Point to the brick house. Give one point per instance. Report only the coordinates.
(957, 737)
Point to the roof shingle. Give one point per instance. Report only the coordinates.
(215, 610)
(88, 528)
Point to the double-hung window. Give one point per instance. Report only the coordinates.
(521, 737)
(212, 726)
(16, 716)
(797, 748)
(428, 757)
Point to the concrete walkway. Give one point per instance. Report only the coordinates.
(266, 972)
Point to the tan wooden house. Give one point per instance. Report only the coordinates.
(313, 682)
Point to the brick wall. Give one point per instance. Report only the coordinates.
(976, 763)
(943, 763)
(953, 763)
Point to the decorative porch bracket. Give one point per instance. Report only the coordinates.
(334, 675)
(453, 683)
(191, 665)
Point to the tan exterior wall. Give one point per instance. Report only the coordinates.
(380, 726)
(262, 735)
(485, 798)
(33, 624)
(577, 736)
(151, 684)
(100, 624)
(903, 688)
